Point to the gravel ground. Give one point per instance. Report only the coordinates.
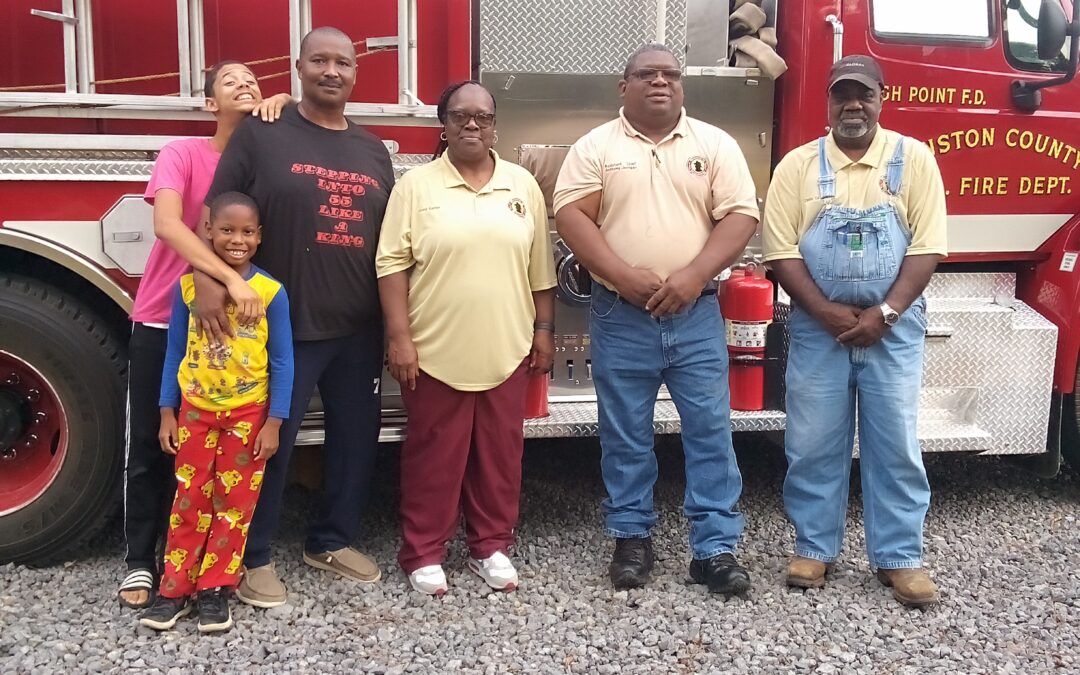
(1002, 545)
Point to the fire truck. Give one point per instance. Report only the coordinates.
(90, 90)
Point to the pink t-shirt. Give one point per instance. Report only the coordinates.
(187, 167)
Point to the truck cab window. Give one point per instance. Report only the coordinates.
(933, 20)
(1021, 38)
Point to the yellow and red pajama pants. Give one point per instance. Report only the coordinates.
(218, 484)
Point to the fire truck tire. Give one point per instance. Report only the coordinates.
(62, 394)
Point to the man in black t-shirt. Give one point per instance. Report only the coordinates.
(321, 184)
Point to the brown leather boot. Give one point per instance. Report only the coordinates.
(912, 587)
(806, 573)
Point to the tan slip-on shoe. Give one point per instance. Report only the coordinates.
(348, 562)
(912, 587)
(261, 587)
(806, 572)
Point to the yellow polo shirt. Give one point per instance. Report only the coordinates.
(660, 200)
(793, 203)
(474, 258)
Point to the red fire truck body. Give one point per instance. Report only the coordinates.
(91, 89)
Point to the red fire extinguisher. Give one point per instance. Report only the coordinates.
(747, 305)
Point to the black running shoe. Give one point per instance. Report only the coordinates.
(164, 613)
(632, 563)
(214, 614)
(722, 573)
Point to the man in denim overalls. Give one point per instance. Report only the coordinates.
(854, 227)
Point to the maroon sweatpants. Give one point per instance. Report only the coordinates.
(462, 454)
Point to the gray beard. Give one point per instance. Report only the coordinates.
(850, 130)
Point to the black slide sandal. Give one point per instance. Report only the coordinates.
(137, 580)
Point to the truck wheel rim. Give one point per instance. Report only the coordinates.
(31, 456)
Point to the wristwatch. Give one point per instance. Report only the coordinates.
(889, 314)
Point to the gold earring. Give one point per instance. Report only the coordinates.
(495, 138)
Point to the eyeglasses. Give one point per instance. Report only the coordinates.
(649, 74)
(461, 118)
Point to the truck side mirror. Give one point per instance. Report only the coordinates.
(1053, 28)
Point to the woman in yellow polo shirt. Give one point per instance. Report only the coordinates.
(466, 280)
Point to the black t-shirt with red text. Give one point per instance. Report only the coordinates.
(321, 195)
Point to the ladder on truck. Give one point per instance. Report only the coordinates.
(81, 100)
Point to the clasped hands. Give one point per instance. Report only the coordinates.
(852, 326)
(645, 289)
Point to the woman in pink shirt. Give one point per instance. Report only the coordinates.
(176, 190)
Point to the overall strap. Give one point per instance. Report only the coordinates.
(826, 178)
(895, 172)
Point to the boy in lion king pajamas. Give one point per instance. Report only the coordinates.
(225, 431)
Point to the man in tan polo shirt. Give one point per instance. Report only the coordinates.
(655, 204)
(854, 227)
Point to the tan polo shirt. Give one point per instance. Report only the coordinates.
(793, 203)
(660, 200)
(474, 259)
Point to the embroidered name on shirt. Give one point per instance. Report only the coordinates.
(621, 166)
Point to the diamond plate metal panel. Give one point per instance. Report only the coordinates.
(579, 420)
(570, 36)
(971, 285)
(676, 28)
(1005, 357)
(87, 155)
(74, 170)
(403, 162)
(112, 165)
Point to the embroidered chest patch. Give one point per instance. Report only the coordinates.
(517, 206)
(884, 183)
(697, 165)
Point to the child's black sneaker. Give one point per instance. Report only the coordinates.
(164, 613)
(214, 614)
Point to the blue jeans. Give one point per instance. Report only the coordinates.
(633, 354)
(828, 384)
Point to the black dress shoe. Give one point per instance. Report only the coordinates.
(632, 563)
(722, 573)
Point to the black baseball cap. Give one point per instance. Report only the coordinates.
(860, 68)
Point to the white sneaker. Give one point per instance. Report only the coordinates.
(496, 571)
(430, 580)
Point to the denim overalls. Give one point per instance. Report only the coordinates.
(854, 256)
